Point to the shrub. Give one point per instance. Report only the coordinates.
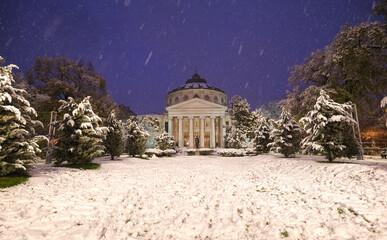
(169, 152)
(250, 151)
(153, 151)
(159, 153)
(191, 152)
(136, 137)
(206, 152)
(165, 141)
(231, 152)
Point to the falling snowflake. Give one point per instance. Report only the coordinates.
(240, 50)
(127, 3)
(149, 56)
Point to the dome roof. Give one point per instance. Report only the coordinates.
(196, 82)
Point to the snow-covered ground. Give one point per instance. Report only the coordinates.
(199, 197)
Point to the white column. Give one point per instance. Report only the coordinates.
(181, 136)
(202, 132)
(170, 131)
(191, 137)
(212, 134)
(221, 132)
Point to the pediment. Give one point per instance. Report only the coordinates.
(196, 103)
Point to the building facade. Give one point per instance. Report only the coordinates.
(195, 109)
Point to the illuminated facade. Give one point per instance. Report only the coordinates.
(195, 109)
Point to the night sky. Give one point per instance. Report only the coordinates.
(146, 48)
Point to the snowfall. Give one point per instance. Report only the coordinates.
(200, 197)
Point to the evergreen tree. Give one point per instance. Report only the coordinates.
(330, 129)
(262, 133)
(241, 115)
(234, 137)
(271, 109)
(162, 139)
(165, 141)
(79, 140)
(18, 145)
(152, 125)
(286, 136)
(136, 137)
(114, 140)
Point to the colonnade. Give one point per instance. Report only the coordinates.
(179, 133)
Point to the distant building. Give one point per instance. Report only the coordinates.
(195, 109)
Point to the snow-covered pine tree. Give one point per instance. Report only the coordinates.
(271, 109)
(136, 137)
(329, 127)
(234, 138)
(18, 145)
(241, 116)
(152, 125)
(80, 136)
(286, 136)
(161, 139)
(262, 133)
(165, 141)
(114, 139)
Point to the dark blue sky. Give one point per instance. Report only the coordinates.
(146, 48)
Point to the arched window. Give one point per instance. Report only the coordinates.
(185, 98)
(207, 98)
(196, 96)
(176, 99)
(216, 99)
(170, 102)
(222, 100)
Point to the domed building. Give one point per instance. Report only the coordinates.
(196, 87)
(195, 109)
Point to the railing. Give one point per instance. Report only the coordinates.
(374, 148)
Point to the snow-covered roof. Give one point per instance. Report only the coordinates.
(196, 82)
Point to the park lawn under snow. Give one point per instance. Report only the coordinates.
(188, 197)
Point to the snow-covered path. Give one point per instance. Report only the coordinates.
(199, 197)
